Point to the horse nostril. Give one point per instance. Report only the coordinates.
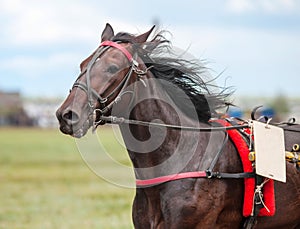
(70, 117)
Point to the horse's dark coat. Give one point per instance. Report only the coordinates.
(189, 203)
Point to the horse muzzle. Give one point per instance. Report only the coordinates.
(72, 123)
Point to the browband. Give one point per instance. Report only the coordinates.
(120, 47)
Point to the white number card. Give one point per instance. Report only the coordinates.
(269, 151)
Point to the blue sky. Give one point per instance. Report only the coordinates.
(256, 42)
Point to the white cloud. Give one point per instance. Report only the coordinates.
(240, 6)
(268, 6)
(43, 22)
(278, 6)
(59, 22)
(50, 22)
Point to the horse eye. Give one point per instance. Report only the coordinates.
(112, 69)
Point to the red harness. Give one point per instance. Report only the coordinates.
(268, 188)
(242, 148)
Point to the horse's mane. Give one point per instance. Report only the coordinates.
(185, 75)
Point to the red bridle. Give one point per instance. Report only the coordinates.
(91, 93)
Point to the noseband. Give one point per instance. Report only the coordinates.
(91, 93)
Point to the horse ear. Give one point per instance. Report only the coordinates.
(107, 33)
(143, 37)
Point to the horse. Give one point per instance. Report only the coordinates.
(128, 76)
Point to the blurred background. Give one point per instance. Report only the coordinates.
(252, 45)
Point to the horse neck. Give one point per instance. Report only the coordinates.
(158, 151)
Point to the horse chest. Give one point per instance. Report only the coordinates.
(171, 207)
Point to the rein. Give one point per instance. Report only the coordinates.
(209, 173)
(121, 120)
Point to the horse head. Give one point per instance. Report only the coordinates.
(104, 75)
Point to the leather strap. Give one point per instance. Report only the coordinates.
(120, 47)
(163, 179)
(197, 174)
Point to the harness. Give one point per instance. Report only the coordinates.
(106, 103)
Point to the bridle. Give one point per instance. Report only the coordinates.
(92, 93)
(134, 68)
(105, 108)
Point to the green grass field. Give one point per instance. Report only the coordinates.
(45, 183)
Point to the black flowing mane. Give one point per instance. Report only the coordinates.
(185, 75)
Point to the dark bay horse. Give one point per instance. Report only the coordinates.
(127, 76)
